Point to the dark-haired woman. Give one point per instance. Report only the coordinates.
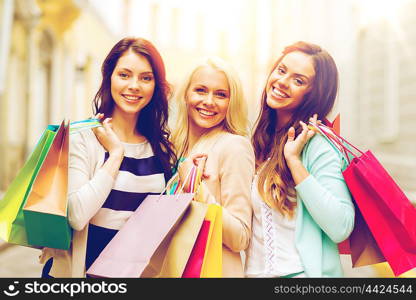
(114, 167)
(302, 206)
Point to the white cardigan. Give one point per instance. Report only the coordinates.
(88, 188)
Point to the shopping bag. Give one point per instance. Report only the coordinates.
(387, 211)
(208, 246)
(360, 245)
(45, 211)
(172, 255)
(186, 249)
(363, 247)
(180, 246)
(365, 250)
(131, 249)
(205, 260)
(78, 126)
(12, 224)
(212, 263)
(206, 257)
(195, 261)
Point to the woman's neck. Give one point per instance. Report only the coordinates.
(124, 125)
(195, 133)
(283, 119)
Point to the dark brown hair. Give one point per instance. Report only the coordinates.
(153, 118)
(275, 182)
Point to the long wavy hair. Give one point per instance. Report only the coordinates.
(152, 122)
(275, 182)
(235, 121)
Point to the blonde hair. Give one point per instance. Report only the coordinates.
(235, 121)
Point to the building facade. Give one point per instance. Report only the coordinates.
(374, 57)
(384, 108)
(51, 53)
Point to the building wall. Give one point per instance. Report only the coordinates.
(53, 71)
(248, 34)
(386, 92)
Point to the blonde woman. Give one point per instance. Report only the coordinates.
(212, 119)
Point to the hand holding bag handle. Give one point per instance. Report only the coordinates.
(185, 237)
(172, 255)
(205, 260)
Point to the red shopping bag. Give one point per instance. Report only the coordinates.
(386, 210)
(360, 245)
(204, 256)
(194, 265)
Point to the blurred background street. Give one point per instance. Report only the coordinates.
(51, 53)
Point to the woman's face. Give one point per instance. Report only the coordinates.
(132, 83)
(290, 81)
(207, 98)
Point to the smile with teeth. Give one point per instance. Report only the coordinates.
(131, 98)
(279, 93)
(206, 112)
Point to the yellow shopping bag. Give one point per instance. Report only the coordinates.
(212, 264)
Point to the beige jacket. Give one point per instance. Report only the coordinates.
(231, 168)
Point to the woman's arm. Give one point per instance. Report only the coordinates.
(324, 192)
(86, 195)
(236, 172)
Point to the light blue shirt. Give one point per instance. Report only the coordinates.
(325, 210)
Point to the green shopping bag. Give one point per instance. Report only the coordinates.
(45, 211)
(46, 208)
(12, 224)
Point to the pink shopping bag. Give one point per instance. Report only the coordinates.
(131, 249)
(386, 210)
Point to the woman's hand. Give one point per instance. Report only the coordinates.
(314, 120)
(294, 145)
(107, 137)
(197, 160)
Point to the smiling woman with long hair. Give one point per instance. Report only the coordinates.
(212, 120)
(114, 167)
(302, 206)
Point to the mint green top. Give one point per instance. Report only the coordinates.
(325, 213)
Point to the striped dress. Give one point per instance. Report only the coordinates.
(140, 174)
